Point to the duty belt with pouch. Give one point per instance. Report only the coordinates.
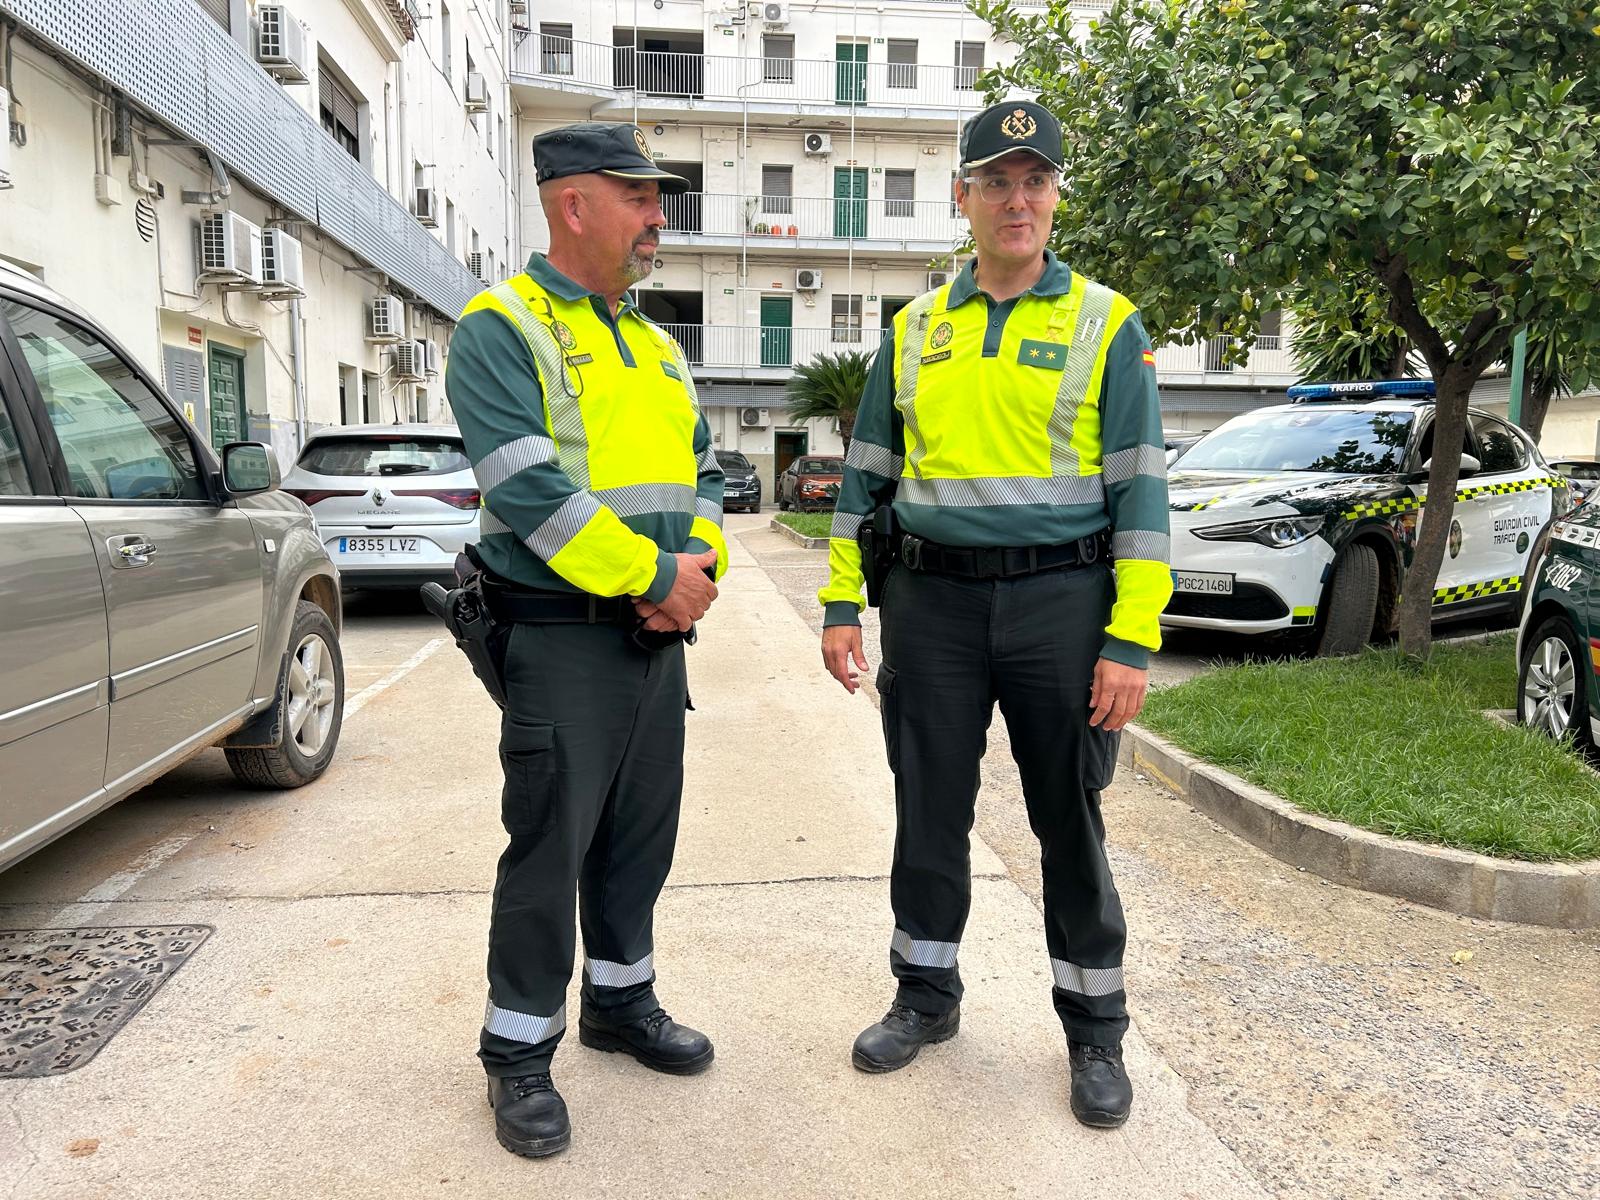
(1001, 562)
(466, 614)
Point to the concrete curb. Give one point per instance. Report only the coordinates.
(794, 535)
(1564, 895)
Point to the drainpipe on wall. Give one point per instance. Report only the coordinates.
(297, 353)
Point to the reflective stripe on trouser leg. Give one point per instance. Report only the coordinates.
(618, 975)
(1064, 764)
(934, 689)
(523, 1027)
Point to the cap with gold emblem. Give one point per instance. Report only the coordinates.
(601, 147)
(1005, 128)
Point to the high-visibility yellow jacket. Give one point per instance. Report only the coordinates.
(586, 437)
(1028, 422)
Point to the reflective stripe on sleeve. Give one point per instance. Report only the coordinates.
(1122, 465)
(563, 525)
(878, 460)
(845, 525)
(1142, 543)
(523, 1027)
(503, 462)
(923, 954)
(605, 974)
(710, 510)
(1086, 981)
(1017, 489)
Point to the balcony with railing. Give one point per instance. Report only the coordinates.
(771, 352)
(681, 79)
(811, 222)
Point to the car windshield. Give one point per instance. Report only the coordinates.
(822, 466)
(1579, 470)
(732, 460)
(1336, 441)
(384, 455)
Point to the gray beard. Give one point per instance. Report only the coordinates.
(636, 268)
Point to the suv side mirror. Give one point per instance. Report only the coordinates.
(249, 468)
(1172, 455)
(1469, 466)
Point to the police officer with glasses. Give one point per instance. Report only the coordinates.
(1008, 458)
(601, 538)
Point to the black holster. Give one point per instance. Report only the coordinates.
(879, 539)
(477, 634)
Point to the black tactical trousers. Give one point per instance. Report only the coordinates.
(592, 748)
(951, 648)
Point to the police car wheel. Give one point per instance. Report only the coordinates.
(1551, 682)
(1352, 602)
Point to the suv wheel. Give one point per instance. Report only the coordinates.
(310, 709)
(1352, 602)
(1552, 696)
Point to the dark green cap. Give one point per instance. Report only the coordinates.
(602, 147)
(1002, 129)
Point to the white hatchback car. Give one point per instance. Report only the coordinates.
(395, 503)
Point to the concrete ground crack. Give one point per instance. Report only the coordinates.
(12, 1111)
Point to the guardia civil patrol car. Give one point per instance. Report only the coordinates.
(1305, 515)
(1558, 641)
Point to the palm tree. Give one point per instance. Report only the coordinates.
(830, 386)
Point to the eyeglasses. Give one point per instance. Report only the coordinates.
(996, 189)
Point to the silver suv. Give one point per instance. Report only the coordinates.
(153, 600)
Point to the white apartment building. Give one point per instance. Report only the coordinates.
(821, 139)
(274, 207)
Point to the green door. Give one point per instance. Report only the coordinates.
(849, 202)
(777, 315)
(851, 73)
(227, 396)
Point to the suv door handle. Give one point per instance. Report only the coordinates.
(130, 550)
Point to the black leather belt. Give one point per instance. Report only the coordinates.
(1001, 562)
(530, 606)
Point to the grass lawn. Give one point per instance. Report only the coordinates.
(1395, 749)
(808, 524)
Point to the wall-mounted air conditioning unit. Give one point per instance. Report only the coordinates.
(937, 279)
(282, 44)
(386, 319)
(774, 13)
(425, 207)
(281, 272)
(475, 261)
(230, 248)
(819, 145)
(407, 361)
(754, 418)
(430, 355)
(807, 279)
(477, 97)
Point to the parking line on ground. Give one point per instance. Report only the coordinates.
(113, 886)
(369, 693)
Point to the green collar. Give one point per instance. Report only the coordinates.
(1056, 281)
(552, 280)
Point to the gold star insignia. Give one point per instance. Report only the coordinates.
(1050, 354)
(1033, 354)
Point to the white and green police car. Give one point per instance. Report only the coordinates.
(1305, 515)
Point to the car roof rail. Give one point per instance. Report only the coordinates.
(1372, 389)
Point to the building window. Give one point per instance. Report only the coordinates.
(955, 209)
(446, 38)
(341, 115)
(450, 226)
(899, 193)
(777, 54)
(777, 189)
(1271, 336)
(902, 62)
(217, 10)
(489, 266)
(555, 49)
(969, 61)
(847, 318)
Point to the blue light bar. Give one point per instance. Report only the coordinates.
(1411, 388)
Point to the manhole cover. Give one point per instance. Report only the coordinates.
(64, 993)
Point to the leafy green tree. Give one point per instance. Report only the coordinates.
(1441, 154)
(1351, 340)
(830, 386)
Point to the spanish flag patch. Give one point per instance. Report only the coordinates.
(1149, 358)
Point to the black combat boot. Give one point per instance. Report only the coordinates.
(655, 1039)
(1102, 1093)
(894, 1041)
(530, 1118)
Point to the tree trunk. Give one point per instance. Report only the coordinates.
(1449, 432)
(847, 428)
(1536, 396)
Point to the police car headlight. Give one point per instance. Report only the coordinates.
(1277, 532)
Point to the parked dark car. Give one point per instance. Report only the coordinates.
(811, 484)
(1582, 475)
(741, 490)
(1558, 638)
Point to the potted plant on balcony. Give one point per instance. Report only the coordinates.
(761, 227)
(794, 231)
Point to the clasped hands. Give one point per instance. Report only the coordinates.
(691, 595)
